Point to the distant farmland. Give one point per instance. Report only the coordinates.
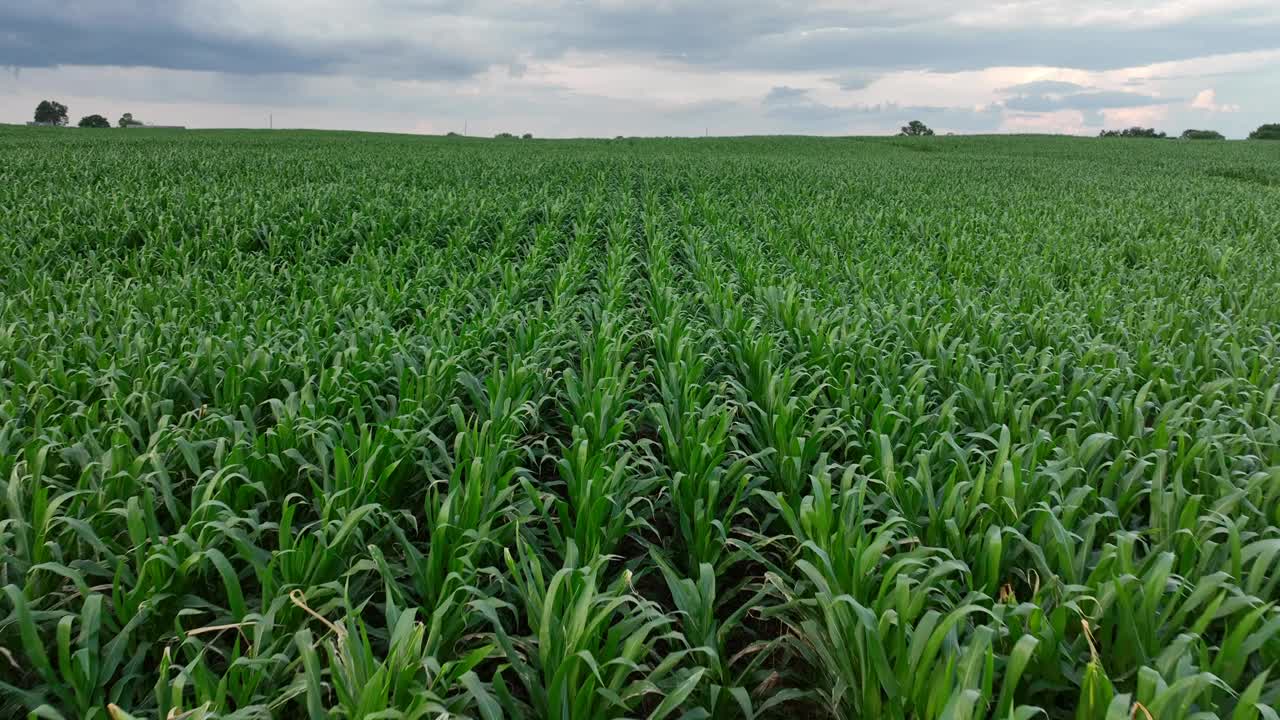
(305, 424)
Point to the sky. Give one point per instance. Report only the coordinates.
(601, 68)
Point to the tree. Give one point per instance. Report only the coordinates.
(1202, 135)
(527, 136)
(504, 136)
(94, 121)
(1270, 131)
(915, 128)
(1134, 132)
(51, 112)
(127, 120)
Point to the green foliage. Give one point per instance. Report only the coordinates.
(1202, 135)
(51, 112)
(1138, 132)
(322, 425)
(94, 121)
(127, 120)
(1269, 131)
(915, 128)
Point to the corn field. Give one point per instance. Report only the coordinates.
(320, 425)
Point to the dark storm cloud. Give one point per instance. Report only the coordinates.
(140, 33)
(152, 33)
(697, 30)
(951, 49)
(455, 39)
(776, 36)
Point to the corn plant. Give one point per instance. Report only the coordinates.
(332, 425)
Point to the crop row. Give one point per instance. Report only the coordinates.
(353, 426)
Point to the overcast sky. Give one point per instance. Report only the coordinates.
(663, 67)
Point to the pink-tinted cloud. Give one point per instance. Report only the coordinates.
(1208, 100)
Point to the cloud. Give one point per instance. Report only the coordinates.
(1089, 100)
(432, 39)
(185, 35)
(1044, 87)
(1054, 96)
(799, 109)
(1152, 116)
(1208, 100)
(855, 80)
(781, 35)
(136, 34)
(1070, 122)
(783, 95)
(949, 48)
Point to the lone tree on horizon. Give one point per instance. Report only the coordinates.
(51, 112)
(915, 128)
(127, 120)
(94, 121)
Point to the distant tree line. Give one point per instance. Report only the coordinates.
(1270, 131)
(1202, 135)
(1265, 132)
(52, 112)
(499, 136)
(1133, 132)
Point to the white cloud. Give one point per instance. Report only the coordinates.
(1060, 122)
(1208, 100)
(1153, 116)
(1087, 13)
